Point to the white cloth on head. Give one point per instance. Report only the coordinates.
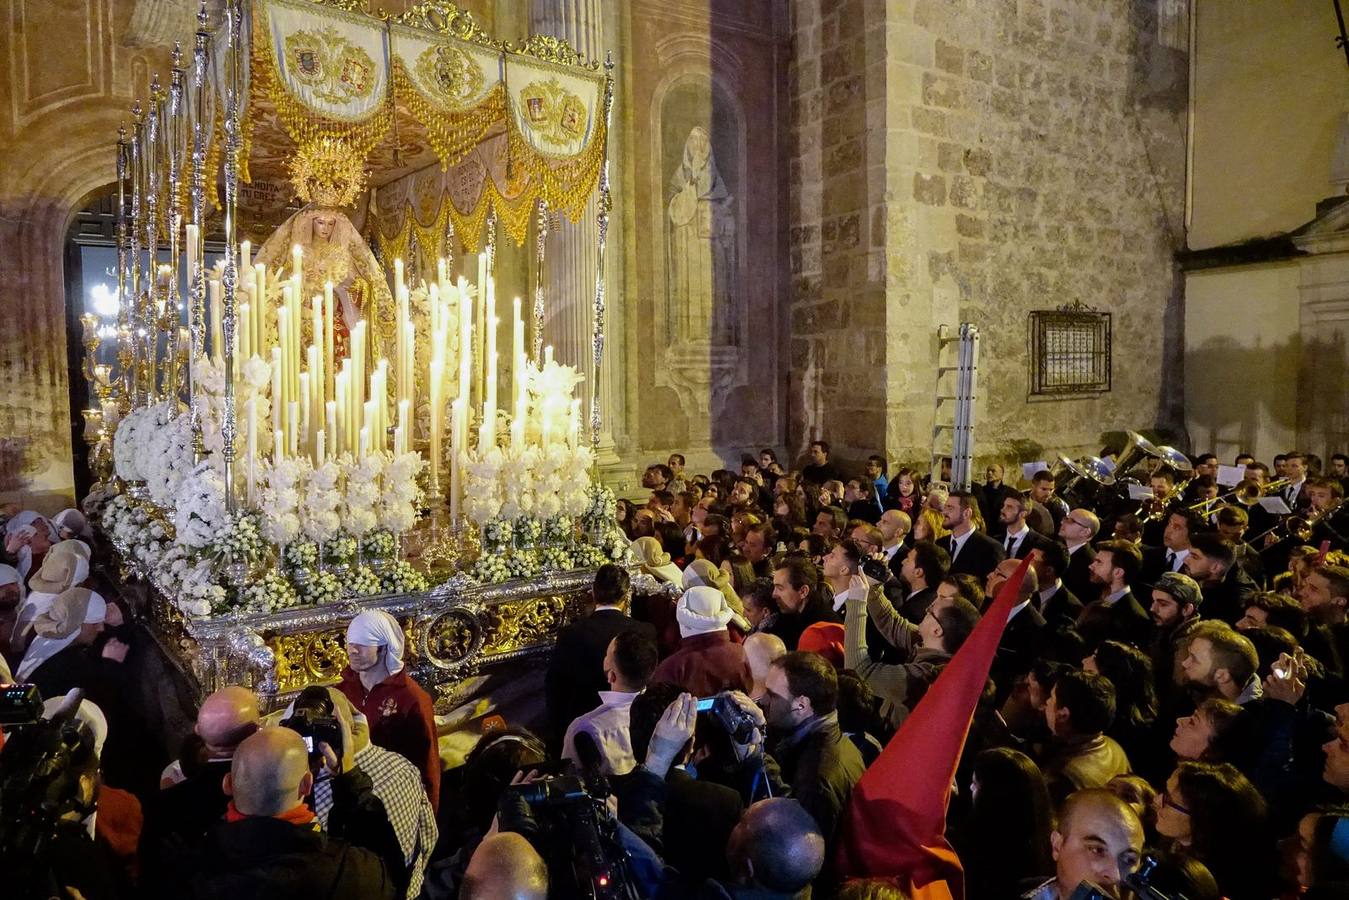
(10, 575)
(74, 521)
(62, 631)
(25, 561)
(33, 519)
(376, 628)
(701, 610)
(656, 561)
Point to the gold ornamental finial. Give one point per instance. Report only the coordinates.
(327, 172)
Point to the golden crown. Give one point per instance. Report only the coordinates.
(327, 172)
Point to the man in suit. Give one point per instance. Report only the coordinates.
(1042, 494)
(1023, 639)
(1180, 525)
(1018, 538)
(1226, 588)
(1077, 530)
(1056, 603)
(990, 497)
(1117, 615)
(895, 527)
(576, 671)
(971, 552)
(923, 569)
(1295, 470)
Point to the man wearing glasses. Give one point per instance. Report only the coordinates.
(1077, 529)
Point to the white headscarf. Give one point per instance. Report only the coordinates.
(376, 628)
(702, 610)
(10, 575)
(60, 625)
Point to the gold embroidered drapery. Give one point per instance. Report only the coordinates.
(507, 126)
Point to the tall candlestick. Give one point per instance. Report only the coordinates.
(245, 329)
(260, 301)
(517, 349)
(283, 338)
(404, 408)
(251, 411)
(305, 411)
(245, 254)
(278, 446)
(364, 442)
(292, 427)
(328, 356)
(436, 379)
(320, 447)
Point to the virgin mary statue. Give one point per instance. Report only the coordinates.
(332, 250)
(701, 247)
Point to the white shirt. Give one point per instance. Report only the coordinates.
(1113, 597)
(1046, 593)
(1179, 560)
(891, 551)
(608, 725)
(958, 543)
(1018, 608)
(841, 598)
(1072, 548)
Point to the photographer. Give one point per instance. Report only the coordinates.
(270, 844)
(48, 784)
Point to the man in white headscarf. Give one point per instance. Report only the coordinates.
(56, 661)
(71, 523)
(398, 710)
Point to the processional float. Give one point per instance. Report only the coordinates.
(312, 424)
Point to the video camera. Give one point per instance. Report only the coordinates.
(578, 834)
(314, 719)
(42, 766)
(1139, 882)
(737, 723)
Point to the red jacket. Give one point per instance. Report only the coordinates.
(706, 664)
(401, 720)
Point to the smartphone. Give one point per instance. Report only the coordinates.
(1280, 671)
(308, 742)
(705, 704)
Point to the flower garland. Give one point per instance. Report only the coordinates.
(400, 493)
(401, 578)
(362, 494)
(199, 515)
(169, 459)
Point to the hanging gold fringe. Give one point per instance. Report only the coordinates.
(452, 133)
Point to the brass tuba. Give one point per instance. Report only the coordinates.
(1077, 482)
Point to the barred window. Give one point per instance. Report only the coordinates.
(1069, 351)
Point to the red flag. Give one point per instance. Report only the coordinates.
(895, 824)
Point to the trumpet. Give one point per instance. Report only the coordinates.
(1154, 509)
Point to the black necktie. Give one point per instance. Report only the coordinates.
(1170, 561)
(1011, 542)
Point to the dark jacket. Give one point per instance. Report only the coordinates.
(260, 858)
(706, 664)
(1077, 578)
(1062, 608)
(789, 626)
(1227, 599)
(979, 555)
(401, 720)
(821, 766)
(576, 671)
(1032, 540)
(914, 608)
(176, 819)
(1124, 620)
(1022, 643)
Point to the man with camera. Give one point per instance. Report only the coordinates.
(1098, 842)
(270, 844)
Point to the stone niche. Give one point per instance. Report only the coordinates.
(706, 256)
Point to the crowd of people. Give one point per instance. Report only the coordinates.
(864, 687)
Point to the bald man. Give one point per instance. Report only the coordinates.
(761, 648)
(182, 814)
(1099, 839)
(270, 846)
(505, 867)
(776, 849)
(1077, 530)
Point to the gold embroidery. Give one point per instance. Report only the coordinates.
(335, 69)
(450, 74)
(554, 114)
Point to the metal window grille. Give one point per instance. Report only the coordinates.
(1070, 351)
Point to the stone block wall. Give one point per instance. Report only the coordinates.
(1013, 156)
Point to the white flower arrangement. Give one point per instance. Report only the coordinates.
(302, 554)
(401, 578)
(362, 582)
(269, 593)
(589, 556)
(602, 509)
(528, 530)
(169, 459)
(199, 515)
(482, 487)
(555, 559)
(523, 564)
(209, 384)
(379, 544)
(322, 588)
(400, 493)
(497, 535)
(241, 541)
(319, 519)
(490, 568)
(131, 440)
(340, 551)
(279, 500)
(558, 530)
(362, 494)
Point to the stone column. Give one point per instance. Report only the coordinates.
(571, 253)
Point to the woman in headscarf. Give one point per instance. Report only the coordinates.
(65, 566)
(28, 537)
(11, 595)
(655, 561)
(399, 711)
(57, 660)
